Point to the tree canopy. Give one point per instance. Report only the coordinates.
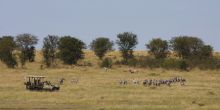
(50, 46)
(190, 47)
(101, 46)
(70, 49)
(158, 47)
(127, 41)
(7, 46)
(26, 44)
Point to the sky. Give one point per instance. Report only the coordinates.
(89, 19)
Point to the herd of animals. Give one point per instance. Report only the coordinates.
(145, 82)
(154, 82)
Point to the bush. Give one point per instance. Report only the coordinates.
(183, 65)
(210, 63)
(171, 63)
(133, 62)
(150, 62)
(107, 62)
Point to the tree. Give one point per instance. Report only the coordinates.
(7, 46)
(70, 49)
(50, 46)
(26, 44)
(101, 46)
(206, 51)
(31, 54)
(158, 47)
(127, 41)
(186, 46)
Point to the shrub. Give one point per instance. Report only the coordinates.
(107, 62)
(133, 62)
(167, 63)
(210, 63)
(183, 65)
(150, 62)
(171, 63)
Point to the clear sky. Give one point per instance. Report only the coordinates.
(88, 19)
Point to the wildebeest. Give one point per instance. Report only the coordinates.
(61, 81)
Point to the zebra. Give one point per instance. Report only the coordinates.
(135, 81)
(75, 81)
(145, 82)
(182, 81)
(123, 82)
(106, 69)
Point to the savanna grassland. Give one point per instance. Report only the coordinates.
(100, 90)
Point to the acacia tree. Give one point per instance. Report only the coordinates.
(70, 49)
(186, 46)
(127, 41)
(191, 47)
(50, 46)
(7, 46)
(158, 47)
(101, 46)
(26, 44)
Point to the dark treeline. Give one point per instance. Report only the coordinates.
(181, 52)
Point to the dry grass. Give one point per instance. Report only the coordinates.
(99, 90)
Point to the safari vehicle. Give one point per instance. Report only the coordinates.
(38, 83)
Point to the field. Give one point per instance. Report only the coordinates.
(100, 90)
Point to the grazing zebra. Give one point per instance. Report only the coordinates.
(123, 82)
(75, 81)
(157, 83)
(145, 82)
(168, 82)
(154, 82)
(106, 69)
(136, 81)
(148, 82)
(182, 81)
